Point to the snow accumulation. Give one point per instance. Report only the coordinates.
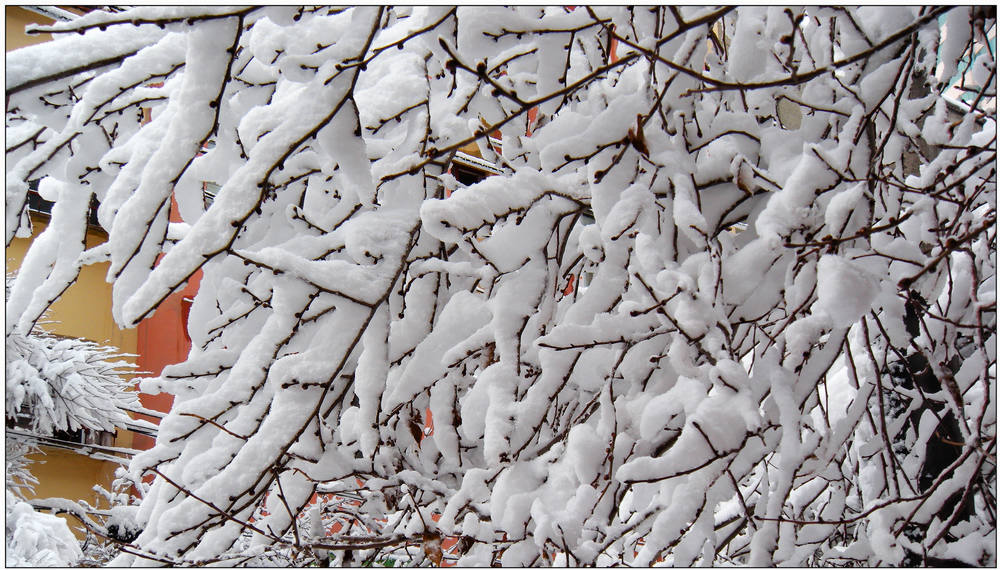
(723, 296)
(35, 62)
(37, 539)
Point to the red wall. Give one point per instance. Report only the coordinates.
(162, 340)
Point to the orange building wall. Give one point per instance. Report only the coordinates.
(163, 340)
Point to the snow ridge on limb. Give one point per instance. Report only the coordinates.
(730, 302)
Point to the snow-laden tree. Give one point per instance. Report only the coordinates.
(31, 538)
(55, 384)
(36, 539)
(779, 345)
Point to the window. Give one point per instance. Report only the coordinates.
(208, 192)
(468, 169)
(42, 206)
(82, 436)
(85, 436)
(467, 176)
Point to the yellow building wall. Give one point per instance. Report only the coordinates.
(69, 475)
(84, 311)
(16, 18)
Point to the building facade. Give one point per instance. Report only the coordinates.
(69, 464)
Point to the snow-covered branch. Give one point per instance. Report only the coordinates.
(728, 295)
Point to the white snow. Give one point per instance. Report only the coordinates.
(844, 291)
(640, 325)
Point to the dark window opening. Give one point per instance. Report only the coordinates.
(42, 206)
(21, 418)
(467, 176)
(82, 436)
(85, 436)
